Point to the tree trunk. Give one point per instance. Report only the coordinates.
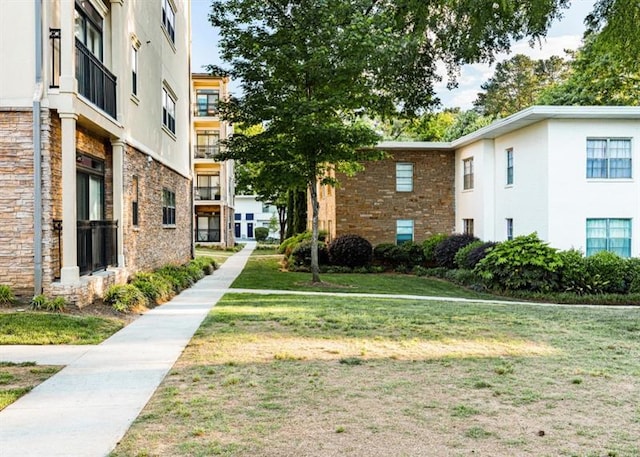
(300, 211)
(289, 221)
(282, 219)
(315, 266)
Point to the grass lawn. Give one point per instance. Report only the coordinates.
(46, 328)
(218, 254)
(335, 376)
(16, 379)
(262, 272)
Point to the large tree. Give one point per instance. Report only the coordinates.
(310, 69)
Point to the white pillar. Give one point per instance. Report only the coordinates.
(70, 272)
(68, 81)
(119, 195)
(120, 53)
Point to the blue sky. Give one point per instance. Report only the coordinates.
(564, 34)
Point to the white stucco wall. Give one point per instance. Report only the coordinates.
(573, 198)
(248, 204)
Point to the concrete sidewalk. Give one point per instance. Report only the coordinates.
(86, 408)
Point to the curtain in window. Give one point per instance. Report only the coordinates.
(620, 237)
(404, 231)
(619, 158)
(597, 163)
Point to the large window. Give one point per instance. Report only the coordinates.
(169, 19)
(208, 187)
(612, 235)
(207, 102)
(89, 188)
(404, 177)
(88, 27)
(207, 144)
(467, 166)
(509, 167)
(404, 231)
(608, 158)
(168, 111)
(168, 207)
(467, 226)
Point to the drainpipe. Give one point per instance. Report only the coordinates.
(37, 157)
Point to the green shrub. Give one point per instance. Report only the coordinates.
(445, 251)
(460, 259)
(350, 251)
(412, 254)
(56, 305)
(573, 274)
(387, 254)
(607, 272)
(195, 271)
(38, 302)
(6, 295)
(429, 245)
(301, 255)
(478, 253)
(156, 288)
(524, 263)
(261, 233)
(632, 276)
(437, 272)
(463, 277)
(207, 264)
(178, 277)
(124, 298)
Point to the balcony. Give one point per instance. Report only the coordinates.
(210, 151)
(95, 81)
(97, 245)
(205, 110)
(207, 193)
(207, 236)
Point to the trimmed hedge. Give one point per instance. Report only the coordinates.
(350, 251)
(301, 255)
(445, 251)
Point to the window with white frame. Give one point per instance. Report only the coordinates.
(88, 27)
(509, 229)
(509, 167)
(608, 158)
(168, 111)
(168, 207)
(404, 177)
(467, 167)
(404, 231)
(467, 226)
(169, 19)
(134, 70)
(612, 235)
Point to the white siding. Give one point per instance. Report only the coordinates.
(17, 48)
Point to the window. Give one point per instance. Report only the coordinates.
(168, 207)
(207, 102)
(467, 165)
(404, 231)
(134, 200)
(249, 216)
(509, 166)
(467, 226)
(88, 27)
(237, 217)
(612, 235)
(89, 188)
(208, 187)
(169, 19)
(134, 70)
(404, 177)
(168, 111)
(509, 229)
(608, 158)
(207, 144)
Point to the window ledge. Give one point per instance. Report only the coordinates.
(169, 40)
(508, 186)
(609, 180)
(169, 132)
(169, 226)
(464, 191)
(135, 99)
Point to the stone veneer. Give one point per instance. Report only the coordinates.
(368, 204)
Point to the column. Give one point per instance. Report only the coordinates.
(70, 272)
(119, 195)
(68, 81)
(120, 53)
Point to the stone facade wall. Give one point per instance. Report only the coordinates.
(16, 200)
(150, 244)
(368, 204)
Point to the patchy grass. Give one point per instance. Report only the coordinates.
(46, 328)
(219, 255)
(17, 379)
(296, 375)
(263, 272)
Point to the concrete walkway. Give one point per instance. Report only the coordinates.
(87, 407)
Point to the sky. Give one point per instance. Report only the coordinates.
(565, 33)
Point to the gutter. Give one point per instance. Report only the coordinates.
(37, 156)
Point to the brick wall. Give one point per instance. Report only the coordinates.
(368, 204)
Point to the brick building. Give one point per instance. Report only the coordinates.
(95, 178)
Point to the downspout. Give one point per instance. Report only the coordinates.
(37, 157)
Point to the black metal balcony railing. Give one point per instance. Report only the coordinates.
(205, 109)
(209, 151)
(97, 245)
(207, 193)
(95, 81)
(54, 77)
(208, 235)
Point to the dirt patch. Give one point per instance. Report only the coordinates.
(96, 309)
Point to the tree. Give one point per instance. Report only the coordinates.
(466, 122)
(517, 83)
(310, 69)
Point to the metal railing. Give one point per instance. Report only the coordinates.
(95, 81)
(207, 193)
(205, 110)
(207, 235)
(97, 245)
(209, 151)
(54, 37)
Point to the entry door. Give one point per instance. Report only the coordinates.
(249, 230)
(237, 229)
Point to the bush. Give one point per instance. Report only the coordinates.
(387, 254)
(124, 298)
(606, 272)
(207, 264)
(445, 251)
(178, 277)
(156, 288)
(412, 254)
(632, 277)
(6, 295)
(573, 274)
(350, 251)
(467, 278)
(261, 233)
(460, 259)
(524, 263)
(195, 271)
(56, 305)
(39, 302)
(429, 245)
(478, 253)
(301, 255)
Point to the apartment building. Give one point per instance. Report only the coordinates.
(251, 213)
(214, 184)
(568, 173)
(94, 143)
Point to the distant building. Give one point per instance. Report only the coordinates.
(251, 213)
(568, 173)
(213, 179)
(94, 143)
